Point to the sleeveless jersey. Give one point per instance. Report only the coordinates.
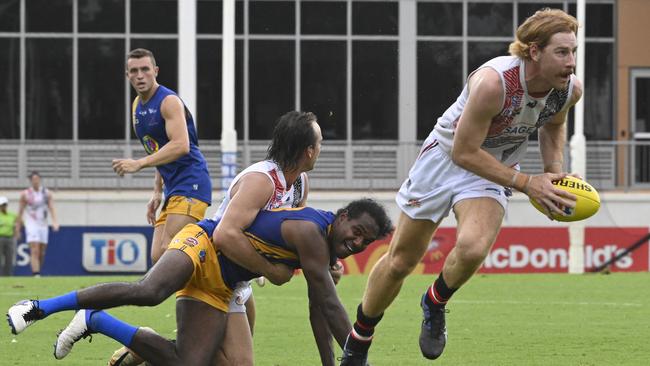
(187, 176)
(283, 196)
(520, 116)
(265, 235)
(36, 208)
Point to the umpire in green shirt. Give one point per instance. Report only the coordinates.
(8, 236)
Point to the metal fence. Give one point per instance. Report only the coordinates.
(367, 165)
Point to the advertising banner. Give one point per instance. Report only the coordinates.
(85, 250)
(77, 250)
(525, 250)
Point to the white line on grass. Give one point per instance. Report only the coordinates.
(512, 302)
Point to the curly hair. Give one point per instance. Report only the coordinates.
(378, 213)
(539, 28)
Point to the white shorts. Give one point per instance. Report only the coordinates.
(36, 234)
(435, 184)
(242, 293)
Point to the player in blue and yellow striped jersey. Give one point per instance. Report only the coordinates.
(203, 279)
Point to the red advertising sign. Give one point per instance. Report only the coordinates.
(525, 250)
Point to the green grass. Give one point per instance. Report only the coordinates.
(495, 320)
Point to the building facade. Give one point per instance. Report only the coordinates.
(377, 74)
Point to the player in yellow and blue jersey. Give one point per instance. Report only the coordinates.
(204, 278)
(165, 127)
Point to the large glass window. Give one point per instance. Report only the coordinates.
(440, 19)
(209, 17)
(154, 16)
(374, 17)
(10, 16)
(49, 15)
(209, 107)
(489, 19)
(101, 110)
(440, 81)
(323, 85)
(49, 88)
(641, 124)
(101, 16)
(271, 85)
(479, 53)
(374, 90)
(525, 10)
(272, 17)
(10, 88)
(321, 17)
(598, 93)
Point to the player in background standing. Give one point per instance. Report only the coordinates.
(35, 203)
(468, 163)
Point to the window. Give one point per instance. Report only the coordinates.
(49, 16)
(440, 81)
(374, 90)
(485, 19)
(440, 19)
(209, 17)
(272, 85)
(49, 88)
(322, 86)
(10, 16)
(272, 17)
(10, 88)
(209, 107)
(154, 16)
(640, 123)
(320, 17)
(374, 17)
(101, 110)
(479, 53)
(101, 16)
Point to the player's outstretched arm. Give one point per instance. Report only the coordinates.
(251, 195)
(314, 253)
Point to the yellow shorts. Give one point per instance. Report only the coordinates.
(182, 205)
(206, 283)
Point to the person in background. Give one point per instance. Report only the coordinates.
(35, 204)
(8, 236)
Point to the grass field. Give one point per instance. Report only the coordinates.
(494, 320)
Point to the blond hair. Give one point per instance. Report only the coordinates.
(539, 28)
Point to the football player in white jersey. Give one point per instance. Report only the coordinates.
(35, 204)
(469, 163)
(278, 181)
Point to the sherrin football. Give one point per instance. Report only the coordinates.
(587, 199)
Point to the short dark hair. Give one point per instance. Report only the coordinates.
(378, 213)
(140, 53)
(34, 173)
(293, 133)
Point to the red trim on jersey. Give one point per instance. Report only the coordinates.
(428, 147)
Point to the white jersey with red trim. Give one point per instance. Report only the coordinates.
(520, 116)
(36, 207)
(283, 196)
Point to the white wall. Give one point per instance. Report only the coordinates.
(127, 208)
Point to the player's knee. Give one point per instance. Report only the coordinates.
(472, 251)
(149, 294)
(400, 267)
